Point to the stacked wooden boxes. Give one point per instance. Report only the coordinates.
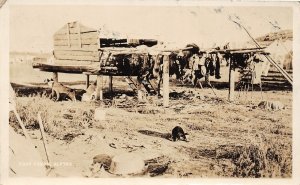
(75, 42)
(77, 45)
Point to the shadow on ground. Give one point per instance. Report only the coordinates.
(156, 134)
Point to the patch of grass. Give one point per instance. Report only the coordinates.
(267, 159)
(62, 120)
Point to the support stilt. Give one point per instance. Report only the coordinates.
(231, 81)
(166, 81)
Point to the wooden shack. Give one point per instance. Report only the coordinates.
(75, 44)
(83, 50)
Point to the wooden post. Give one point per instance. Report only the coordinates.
(110, 84)
(99, 95)
(21, 124)
(43, 135)
(79, 34)
(139, 89)
(87, 81)
(231, 80)
(68, 34)
(55, 76)
(166, 81)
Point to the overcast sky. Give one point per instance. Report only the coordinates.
(32, 26)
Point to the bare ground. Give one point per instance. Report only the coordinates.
(225, 139)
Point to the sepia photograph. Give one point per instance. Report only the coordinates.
(151, 91)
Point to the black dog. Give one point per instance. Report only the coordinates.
(178, 133)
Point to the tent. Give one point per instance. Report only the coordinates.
(282, 52)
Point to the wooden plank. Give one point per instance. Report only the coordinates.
(90, 35)
(77, 53)
(239, 50)
(94, 34)
(74, 57)
(73, 48)
(74, 42)
(166, 81)
(66, 69)
(75, 62)
(249, 51)
(74, 30)
(89, 47)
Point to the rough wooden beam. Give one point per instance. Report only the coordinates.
(110, 84)
(87, 81)
(231, 81)
(99, 92)
(166, 81)
(66, 69)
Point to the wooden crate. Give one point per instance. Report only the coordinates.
(76, 42)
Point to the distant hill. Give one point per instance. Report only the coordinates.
(267, 39)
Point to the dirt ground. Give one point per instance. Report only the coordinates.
(225, 139)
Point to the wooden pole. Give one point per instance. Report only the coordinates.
(69, 43)
(166, 81)
(79, 34)
(110, 84)
(99, 92)
(43, 135)
(281, 70)
(231, 80)
(139, 89)
(55, 76)
(21, 124)
(87, 81)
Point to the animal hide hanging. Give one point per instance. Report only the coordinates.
(256, 73)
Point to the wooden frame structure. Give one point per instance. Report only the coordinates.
(79, 49)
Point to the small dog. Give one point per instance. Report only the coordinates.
(90, 94)
(178, 134)
(271, 105)
(58, 88)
